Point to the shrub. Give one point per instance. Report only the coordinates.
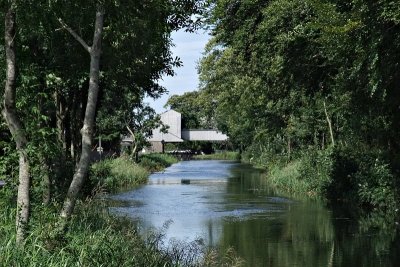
(375, 184)
(315, 169)
(349, 174)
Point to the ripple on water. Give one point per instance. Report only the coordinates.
(279, 200)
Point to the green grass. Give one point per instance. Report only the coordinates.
(114, 174)
(225, 155)
(288, 178)
(94, 239)
(156, 161)
(120, 173)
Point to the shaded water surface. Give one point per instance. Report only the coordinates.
(229, 204)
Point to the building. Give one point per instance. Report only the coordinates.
(175, 133)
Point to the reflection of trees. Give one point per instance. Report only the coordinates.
(302, 237)
(307, 234)
(372, 240)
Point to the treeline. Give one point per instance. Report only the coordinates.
(309, 89)
(74, 71)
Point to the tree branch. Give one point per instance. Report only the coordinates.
(75, 35)
(329, 125)
(131, 132)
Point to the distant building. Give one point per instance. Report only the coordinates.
(173, 119)
(175, 133)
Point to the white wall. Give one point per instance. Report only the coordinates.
(203, 135)
(173, 120)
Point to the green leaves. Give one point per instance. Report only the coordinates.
(288, 76)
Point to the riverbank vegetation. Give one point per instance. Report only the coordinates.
(95, 236)
(307, 90)
(222, 155)
(114, 174)
(156, 162)
(76, 75)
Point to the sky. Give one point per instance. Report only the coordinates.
(189, 48)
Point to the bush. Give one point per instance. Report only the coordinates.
(315, 169)
(375, 184)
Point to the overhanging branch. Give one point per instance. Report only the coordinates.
(75, 35)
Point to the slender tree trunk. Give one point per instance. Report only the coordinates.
(60, 116)
(329, 125)
(134, 153)
(44, 162)
(15, 126)
(75, 124)
(88, 124)
(46, 181)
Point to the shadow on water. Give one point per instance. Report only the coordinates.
(266, 228)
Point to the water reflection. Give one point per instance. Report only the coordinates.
(230, 205)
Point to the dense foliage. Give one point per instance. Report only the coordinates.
(311, 88)
(75, 70)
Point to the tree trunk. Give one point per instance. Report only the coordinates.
(75, 124)
(88, 124)
(60, 116)
(134, 153)
(329, 125)
(46, 181)
(15, 126)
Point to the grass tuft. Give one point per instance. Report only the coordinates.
(113, 174)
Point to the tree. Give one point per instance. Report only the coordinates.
(296, 79)
(53, 102)
(15, 126)
(88, 124)
(140, 124)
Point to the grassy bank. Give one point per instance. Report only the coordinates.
(157, 162)
(121, 173)
(225, 155)
(361, 178)
(95, 237)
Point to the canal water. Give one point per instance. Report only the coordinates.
(229, 204)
